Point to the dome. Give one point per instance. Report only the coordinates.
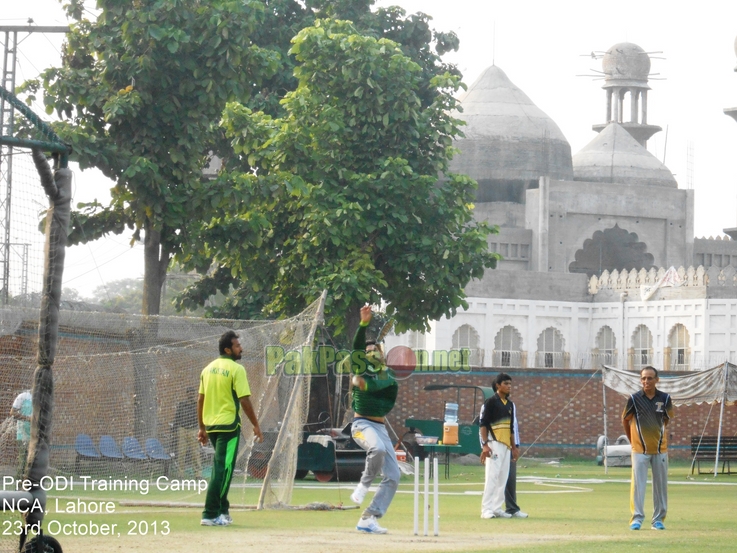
(613, 156)
(509, 142)
(626, 62)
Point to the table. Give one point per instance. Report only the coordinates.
(434, 449)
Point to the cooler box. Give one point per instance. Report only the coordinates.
(450, 433)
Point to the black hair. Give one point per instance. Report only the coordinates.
(226, 341)
(649, 368)
(502, 377)
(378, 345)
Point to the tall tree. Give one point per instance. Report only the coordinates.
(348, 190)
(141, 88)
(139, 92)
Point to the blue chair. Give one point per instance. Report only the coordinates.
(132, 449)
(86, 451)
(156, 451)
(110, 450)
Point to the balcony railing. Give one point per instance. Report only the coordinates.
(589, 360)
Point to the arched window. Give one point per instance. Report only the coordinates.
(467, 337)
(610, 249)
(678, 353)
(550, 353)
(606, 344)
(508, 348)
(642, 348)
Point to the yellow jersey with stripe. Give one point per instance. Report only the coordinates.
(496, 416)
(223, 382)
(648, 422)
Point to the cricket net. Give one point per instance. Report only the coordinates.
(119, 380)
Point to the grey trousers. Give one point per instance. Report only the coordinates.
(380, 458)
(659, 464)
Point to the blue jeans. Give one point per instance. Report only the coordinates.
(380, 457)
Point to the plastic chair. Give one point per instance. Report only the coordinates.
(155, 450)
(86, 450)
(110, 450)
(132, 449)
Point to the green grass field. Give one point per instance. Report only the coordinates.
(573, 506)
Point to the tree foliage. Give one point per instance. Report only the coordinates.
(139, 92)
(141, 88)
(283, 19)
(343, 191)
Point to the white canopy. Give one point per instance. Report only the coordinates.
(717, 384)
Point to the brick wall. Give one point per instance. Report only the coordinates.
(561, 411)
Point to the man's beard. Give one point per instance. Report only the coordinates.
(235, 356)
(375, 358)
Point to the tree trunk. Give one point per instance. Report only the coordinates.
(145, 367)
(156, 262)
(352, 320)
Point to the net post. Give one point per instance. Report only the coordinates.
(417, 495)
(435, 512)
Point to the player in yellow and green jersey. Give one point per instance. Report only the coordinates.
(223, 391)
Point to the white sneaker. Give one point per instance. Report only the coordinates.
(217, 521)
(502, 514)
(226, 519)
(370, 526)
(359, 494)
(520, 514)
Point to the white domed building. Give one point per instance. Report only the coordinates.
(587, 240)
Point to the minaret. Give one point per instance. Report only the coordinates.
(626, 68)
(732, 112)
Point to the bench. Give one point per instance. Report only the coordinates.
(704, 448)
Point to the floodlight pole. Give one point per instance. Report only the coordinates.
(7, 116)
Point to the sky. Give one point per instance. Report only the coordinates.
(545, 48)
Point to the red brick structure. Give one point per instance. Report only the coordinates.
(560, 410)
